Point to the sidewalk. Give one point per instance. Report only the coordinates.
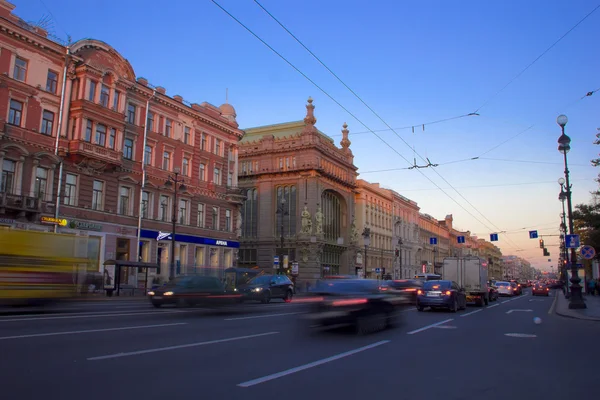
(591, 313)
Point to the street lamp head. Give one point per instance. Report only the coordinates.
(177, 170)
(564, 148)
(561, 181)
(562, 120)
(182, 188)
(168, 183)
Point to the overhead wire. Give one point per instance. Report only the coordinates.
(350, 113)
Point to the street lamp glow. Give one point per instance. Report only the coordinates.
(561, 181)
(562, 120)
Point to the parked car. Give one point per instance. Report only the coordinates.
(263, 288)
(189, 290)
(441, 294)
(540, 289)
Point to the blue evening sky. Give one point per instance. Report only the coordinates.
(413, 62)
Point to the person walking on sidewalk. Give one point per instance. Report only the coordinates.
(592, 287)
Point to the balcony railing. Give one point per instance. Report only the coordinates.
(94, 151)
(19, 202)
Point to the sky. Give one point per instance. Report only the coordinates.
(411, 63)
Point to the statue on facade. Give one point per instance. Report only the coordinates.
(353, 232)
(238, 225)
(318, 221)
(306, 221)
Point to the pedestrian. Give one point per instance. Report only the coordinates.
(592, 287)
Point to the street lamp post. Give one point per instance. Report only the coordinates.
(366, 234)
(563, 229)
(281, 210)
(576, 299)
(400, 243)
(176, 183)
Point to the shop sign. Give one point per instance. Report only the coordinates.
(84, 225)
(53, 221)
(7, 221)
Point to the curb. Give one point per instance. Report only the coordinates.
(572, 315)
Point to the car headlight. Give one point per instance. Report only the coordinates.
(258, 289)
(168, 293)
(235, 289)
(151, 293)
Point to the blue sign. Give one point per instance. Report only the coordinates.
(433, 240)
(377, 270)
(158, 235)
(460, 239)
(493, 237)
(572, 241)
(533, 235)
(587, 252)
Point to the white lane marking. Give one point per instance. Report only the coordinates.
(511, 311)
(410, 309)
(444, 327)
(505, 301)
(262, 316)
(429, 326)
(89, 316)
(309, 365)
(551, 310)
(520, 335)
(472, 312)
(90, 331)
(495, 305)
(183, 346)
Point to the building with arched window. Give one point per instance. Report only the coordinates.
(299, 189)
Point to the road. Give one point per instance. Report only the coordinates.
(130, 350)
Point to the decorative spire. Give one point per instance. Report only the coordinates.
(310, 120)
(345, 143)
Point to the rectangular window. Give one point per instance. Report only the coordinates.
(98, 195)
(104, 95)
(128, 149)
(164, 208)
(47, 122)
(203, 142)
(88, 131)
(217, 176)
(150, 121)
(217, 147)
(215, 218)
(185, 167)
(202, 172)
(51, 82)
(230, 179)
(228, 220)
(183, 211)
(8, 176)
(124, 200)
(200, 215)
(112, 138)
(145, 204)
(168, 128)
(116, 101)
(15, 113)
(70, 190)
(41, 182)
(92, 92)
(20, 71)
(166, 161)
(148, 156)
(101, 135)
(131, 113)
(186, 135)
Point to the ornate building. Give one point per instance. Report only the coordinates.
(78, 132)
(432, 255)
(406, 236)
(299, 198)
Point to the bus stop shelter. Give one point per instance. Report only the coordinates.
(112, 273)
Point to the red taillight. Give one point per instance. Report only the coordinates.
(410, 290)
(514, 288)
(351, 302)
(419, 292)
(448, 293)
(519, 285)
(547, 289)
(383, 288)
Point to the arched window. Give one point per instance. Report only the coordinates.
(287, 195)
(250, 214)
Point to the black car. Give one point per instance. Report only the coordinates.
(407, 288)
(263, 288)
(189, 290)
(352, 302)
(441, 294)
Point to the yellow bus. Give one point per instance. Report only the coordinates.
(38, 268)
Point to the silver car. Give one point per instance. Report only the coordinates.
(504, 288)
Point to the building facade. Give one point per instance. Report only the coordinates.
(493, 256)
(406, 236)
(78, 131)
(435, 243)
(299, 203)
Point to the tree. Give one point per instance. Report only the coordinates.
(586, 218)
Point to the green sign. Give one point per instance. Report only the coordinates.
(88, 226)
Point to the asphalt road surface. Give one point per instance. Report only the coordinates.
(130, 350)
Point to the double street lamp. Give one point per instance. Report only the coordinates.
(176, 182)
(564, 145)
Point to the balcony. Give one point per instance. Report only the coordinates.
(19, 203)
(88, 150)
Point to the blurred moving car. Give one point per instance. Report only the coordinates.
(406, 288)
(353, 302)
(540, 289)
(504, 288)
(263, 288)
(190, 290)
(441, 294)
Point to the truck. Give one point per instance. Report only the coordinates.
(470, 273)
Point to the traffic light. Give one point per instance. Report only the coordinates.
(546, 253)
(397, 252)
(382, 271)
(541, 243)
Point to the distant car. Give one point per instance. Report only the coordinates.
(352, 302)
(540, 289)
(407, 288)
(263, 288)
(190, 290)
(504, 288)
(441, 294)
(519, 289)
